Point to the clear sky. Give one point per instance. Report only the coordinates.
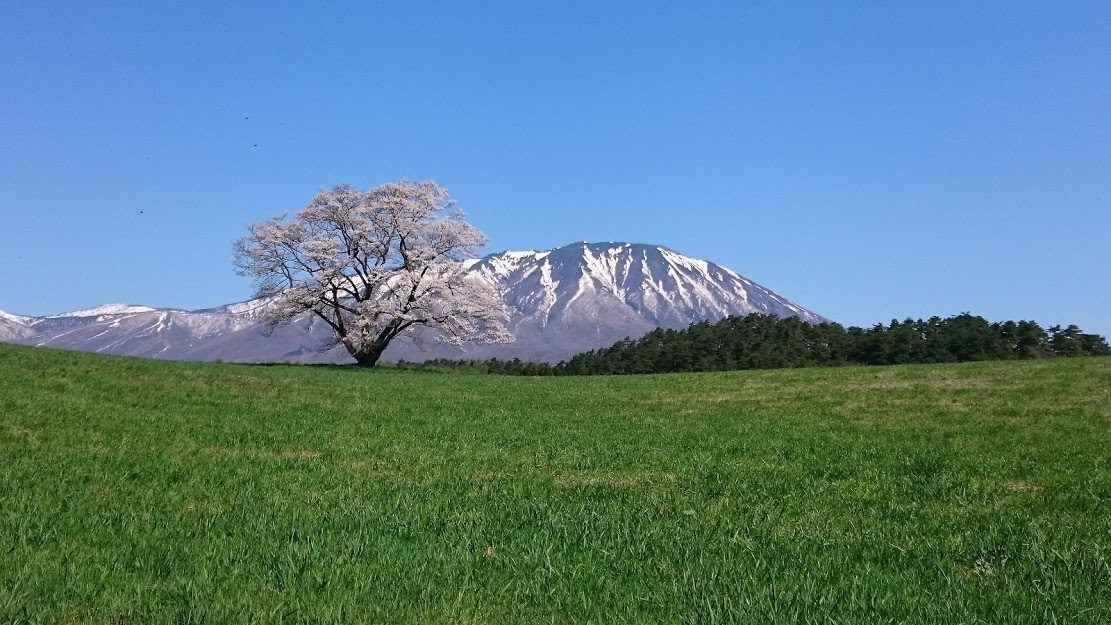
(867, 161)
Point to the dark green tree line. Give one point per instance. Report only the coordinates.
(759, 341)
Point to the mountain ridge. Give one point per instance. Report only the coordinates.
(559, 302)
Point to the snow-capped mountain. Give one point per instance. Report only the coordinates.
(14, 328)
(559, 302)
(234, 332)
(588, 295)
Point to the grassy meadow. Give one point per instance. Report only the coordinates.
(135, 491)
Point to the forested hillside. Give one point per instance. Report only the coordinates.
(767, 342)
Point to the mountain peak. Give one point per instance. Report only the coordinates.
(609, 290)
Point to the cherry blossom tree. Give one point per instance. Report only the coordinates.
(375, 264)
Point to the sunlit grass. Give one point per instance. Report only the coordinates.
(136, 491)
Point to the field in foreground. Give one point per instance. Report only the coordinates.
(139, 491)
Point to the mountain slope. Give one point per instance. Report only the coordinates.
(559, 302)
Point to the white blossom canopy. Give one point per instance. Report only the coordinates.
(374, 264)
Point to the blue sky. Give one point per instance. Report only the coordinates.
(867, 161)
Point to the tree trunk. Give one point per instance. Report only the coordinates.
(368, 356)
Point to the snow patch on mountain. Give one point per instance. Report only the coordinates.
(105, 309)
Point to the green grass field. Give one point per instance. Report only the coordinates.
(135, 491)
